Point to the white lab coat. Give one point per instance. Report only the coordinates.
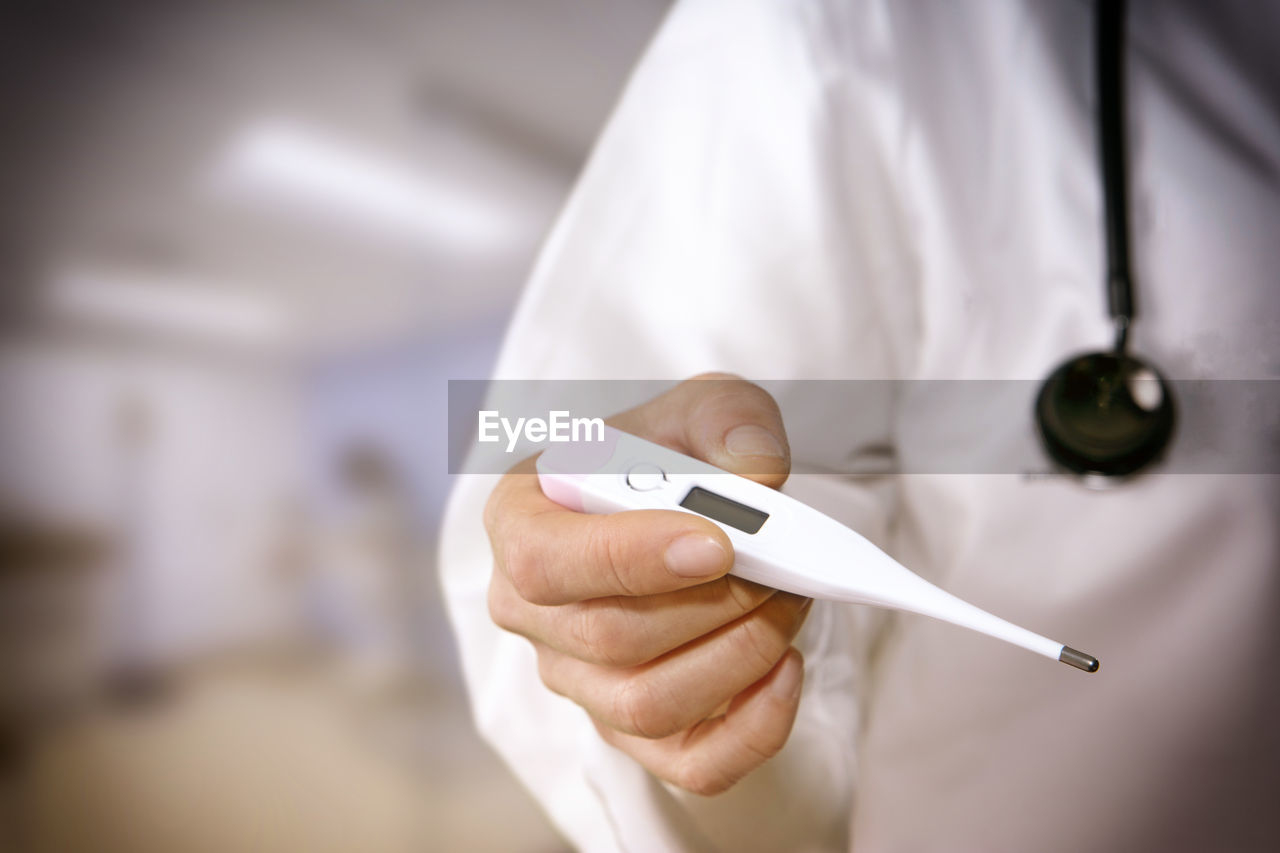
(873, 190)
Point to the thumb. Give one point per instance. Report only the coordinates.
(721, 419)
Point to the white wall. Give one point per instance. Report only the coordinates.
(194, 506)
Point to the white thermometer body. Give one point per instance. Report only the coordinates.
(778, 541)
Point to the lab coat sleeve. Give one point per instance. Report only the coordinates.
(711, 230)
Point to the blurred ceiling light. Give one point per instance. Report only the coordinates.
(275, 160)
(167, 304)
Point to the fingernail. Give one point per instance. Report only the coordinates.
(695, 556)
(787, 683)
(752, 440)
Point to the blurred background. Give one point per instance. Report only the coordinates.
(245, 243)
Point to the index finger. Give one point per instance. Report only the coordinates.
(554, 555)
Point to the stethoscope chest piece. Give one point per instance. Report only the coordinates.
(1108, 415)
(1105, 413)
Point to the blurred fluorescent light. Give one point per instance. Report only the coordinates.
(174, 306)
(292, 164)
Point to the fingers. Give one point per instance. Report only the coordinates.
(552, 555)
(623, 631)
(679, 689)
(632, 615)
(721, 419)
(713, 755)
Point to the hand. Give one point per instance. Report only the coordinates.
(632, 615)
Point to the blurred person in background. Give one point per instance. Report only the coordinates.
(866, 190)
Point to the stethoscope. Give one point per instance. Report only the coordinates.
(1108, 415)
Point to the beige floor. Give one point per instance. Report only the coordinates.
(244, 760)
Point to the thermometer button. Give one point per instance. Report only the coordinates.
(646, 477)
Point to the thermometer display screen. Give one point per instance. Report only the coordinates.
(721, 509)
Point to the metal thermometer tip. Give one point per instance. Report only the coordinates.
(1078, 659)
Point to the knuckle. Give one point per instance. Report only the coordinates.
(640, 711)
(527, 572)
(761, 747)
(635, 638)
(602, 639)
(501, 606)
(701, 777)
(754, 642)
(742, 596)
(547, 673)
(608, 548)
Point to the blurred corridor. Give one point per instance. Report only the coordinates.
(245, 244)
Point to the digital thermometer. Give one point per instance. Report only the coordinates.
(778, 541)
